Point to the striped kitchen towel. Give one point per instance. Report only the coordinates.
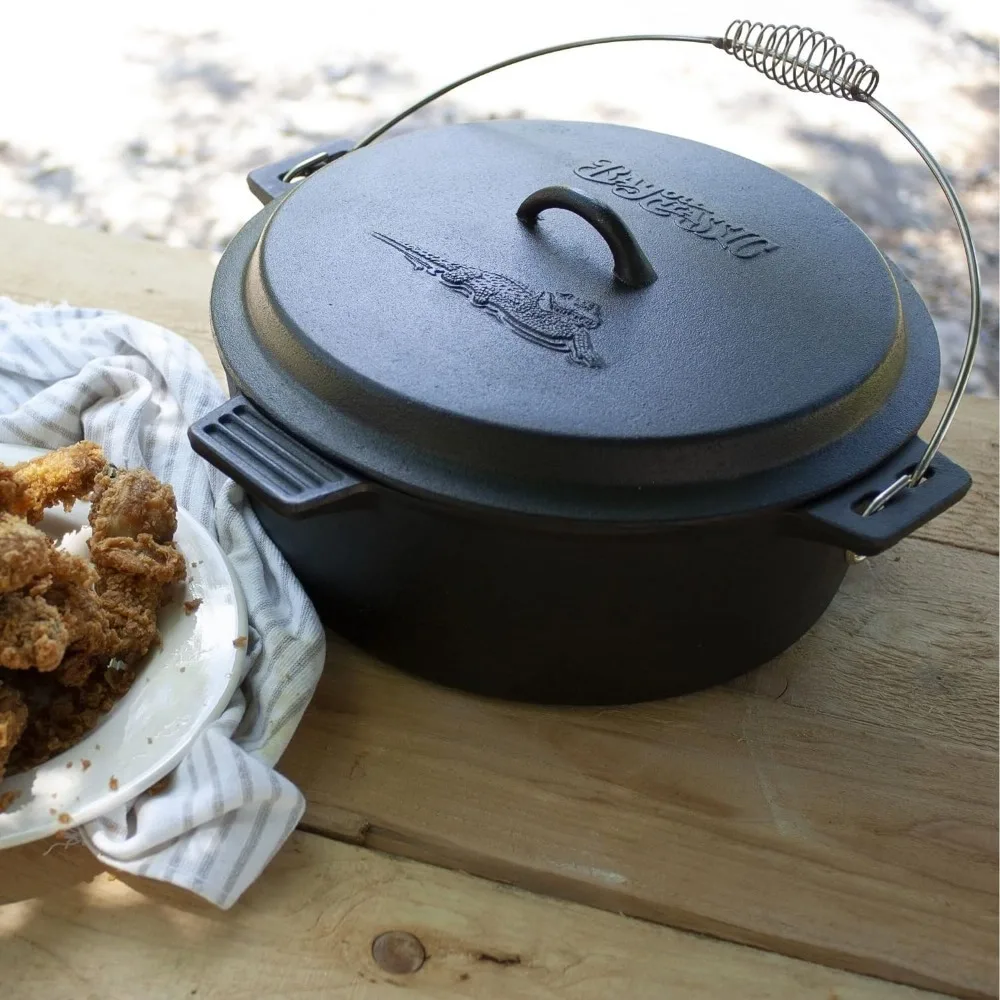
(68, 374)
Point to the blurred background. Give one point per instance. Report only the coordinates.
(143, 119)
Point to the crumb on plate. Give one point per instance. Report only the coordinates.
(8, 799)
(240, 642)
(113, 783)
(190, 607)
(160, 786)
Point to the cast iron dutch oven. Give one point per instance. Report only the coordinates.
(574, 412)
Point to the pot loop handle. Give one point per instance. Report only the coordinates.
(806, 60)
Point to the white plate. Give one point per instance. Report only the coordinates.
(181, 687)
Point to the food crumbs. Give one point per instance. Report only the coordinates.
(8, 798)
(149, 740)
(240, 642)
(65, 818)
(113, 784)
(190, 607)
(69, 763)
(85, 763)
(182, 671)
(160, 786)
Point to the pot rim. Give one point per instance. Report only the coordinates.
(373, 457)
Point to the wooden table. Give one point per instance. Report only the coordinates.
(824, 828)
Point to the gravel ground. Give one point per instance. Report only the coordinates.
(146, 122)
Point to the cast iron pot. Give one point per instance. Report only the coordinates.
(570, 412)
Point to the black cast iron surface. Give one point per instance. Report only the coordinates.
(399, 286)
(461, 501)
(546, 616)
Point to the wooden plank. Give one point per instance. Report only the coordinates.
(39, 262)
(910, 645)
(842, 810)
(972, 442)
(165, 285)
(898, 722)
(70, 930)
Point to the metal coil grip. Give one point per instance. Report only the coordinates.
(801, 59)
(806, 60)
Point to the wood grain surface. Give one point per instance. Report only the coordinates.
(69, 929)
(838, 805)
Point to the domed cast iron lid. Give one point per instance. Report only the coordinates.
(660, 314)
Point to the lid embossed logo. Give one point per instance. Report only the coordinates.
(691, 216)
(559, 321)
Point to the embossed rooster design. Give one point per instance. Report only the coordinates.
(557, 320)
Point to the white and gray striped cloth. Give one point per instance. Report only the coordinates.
(68, 374)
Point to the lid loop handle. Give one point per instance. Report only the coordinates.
(632, 266)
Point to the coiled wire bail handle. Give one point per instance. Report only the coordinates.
(809, 61)
(803, 59)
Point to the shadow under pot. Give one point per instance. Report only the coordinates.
(568, 413)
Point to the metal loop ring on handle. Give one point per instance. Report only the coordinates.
(307, 167)
(801, 59)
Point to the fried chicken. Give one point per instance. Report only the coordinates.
(32, 633)
(132, 502)
(13, 719)
(72, 632)
(131, 604)
(47, 600)
(91, 639)
(133, 517)
(59, 477)
(59, 717)
(26, 554)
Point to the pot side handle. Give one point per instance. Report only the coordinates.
(840, 518)
(269, 463)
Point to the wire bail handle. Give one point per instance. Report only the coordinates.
(809, 61)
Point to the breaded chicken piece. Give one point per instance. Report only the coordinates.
(60, 477)
(26, 554)
(82, 628)
(127, 503)
(13, 719)
(133, 517)
(92, 640)
(47, 600)
(59, 717)
(139, 557)
(32, 633)
(130, 604)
